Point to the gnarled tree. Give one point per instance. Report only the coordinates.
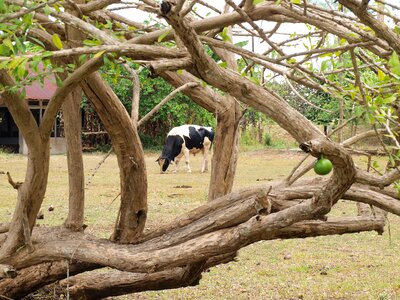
(174, 255)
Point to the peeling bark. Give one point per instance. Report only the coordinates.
(31, 279)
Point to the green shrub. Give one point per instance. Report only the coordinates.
(267, 139)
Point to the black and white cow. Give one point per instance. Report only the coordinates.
(183, 140)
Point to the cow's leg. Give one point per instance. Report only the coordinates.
(204, 168)
(186, 153)
(176, 164)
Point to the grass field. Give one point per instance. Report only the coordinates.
(357, 266)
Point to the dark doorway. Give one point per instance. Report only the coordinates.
(9, 137)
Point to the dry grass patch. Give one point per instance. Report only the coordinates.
(356, 266)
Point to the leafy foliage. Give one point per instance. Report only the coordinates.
(179, 110)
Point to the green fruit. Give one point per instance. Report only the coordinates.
(323, 166)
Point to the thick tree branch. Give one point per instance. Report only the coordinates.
(380, 28)
(139, 52)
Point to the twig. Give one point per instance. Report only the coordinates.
(342, 125)
(187, 9)
(302, 98)
(165, 100)
(289, 179)
(14, 184)
(255, 26)
(98, 166)
(24, 11)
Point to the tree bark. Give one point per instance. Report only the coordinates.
(72, 120)
(226, 150)
(128, 148)
(31, 191)
(227, 137)
(96, 286)
(33, 278)
(73, 133)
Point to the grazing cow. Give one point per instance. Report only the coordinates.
(183, 140)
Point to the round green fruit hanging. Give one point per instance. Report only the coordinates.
(323, 166)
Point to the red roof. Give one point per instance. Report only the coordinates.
(36, 91)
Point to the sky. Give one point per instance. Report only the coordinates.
(140, 16)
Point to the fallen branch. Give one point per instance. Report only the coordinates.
(95, 285)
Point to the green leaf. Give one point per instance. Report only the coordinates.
(163, 36)
(255, 80)
(19, 45)
(4, 50)
(47, 10)
(326, 55)
(34, 64)
(57, 7)
(394, 63)
(58, 80)
(91, 42)
(27, 19)
(255, 2)
(324, 65)
(23, 93)
(179, 72)
(291, 60)
(98, 54)
(3, 65)
(381, 75)
(15, 63)
(37, 41)
(21, 70)
(389, 99)
(241, 44)
(296, 1)
(57, 41)
(223, 64)
(370, 118)
(225, 35)
(9, 44)
(2, 6)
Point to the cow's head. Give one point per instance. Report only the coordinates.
(163, 162)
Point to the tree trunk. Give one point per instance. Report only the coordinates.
(127, 146)
(31, 191)
(30, 197)
(72, 122)
(73, 134)
(225, 155)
